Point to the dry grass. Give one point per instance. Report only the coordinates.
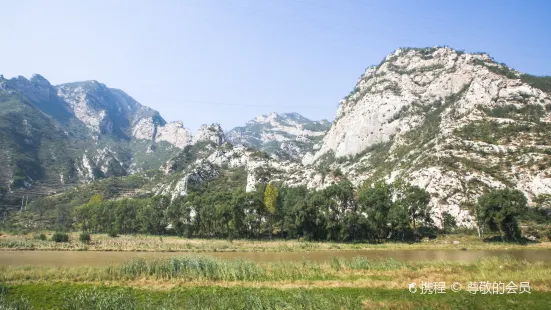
(357, 273)
(102, 242)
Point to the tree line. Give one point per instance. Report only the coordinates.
(222, 209)
(336, 213)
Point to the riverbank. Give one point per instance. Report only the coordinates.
(148, 243)
(198, 282)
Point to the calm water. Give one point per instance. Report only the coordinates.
(93, 258)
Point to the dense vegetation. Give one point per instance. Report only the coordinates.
(336, 213)
(221, 208)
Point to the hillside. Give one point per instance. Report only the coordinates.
(454, 123)
(56, 137)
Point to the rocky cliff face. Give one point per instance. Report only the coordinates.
(212, 133)
(105, 110)
(79, 132)
(286, 136)
(174, 133)
(201, 163)
(454, 123)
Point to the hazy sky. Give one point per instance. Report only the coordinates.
(226, 61)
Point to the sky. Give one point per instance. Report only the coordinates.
(227, 61)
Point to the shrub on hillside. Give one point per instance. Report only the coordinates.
(60, 237)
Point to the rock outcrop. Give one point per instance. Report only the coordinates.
(286, 136)
(174, 133)
(212, 133)
(451, 122)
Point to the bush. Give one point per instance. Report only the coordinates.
(84, 237)
(113, 233)
(40, 237)
(60, 237)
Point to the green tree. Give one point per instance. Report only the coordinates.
(151, 215)
(415, 200)
(63, 217)
(448, 222)
(376, 201)
(310, 222)
(499, 209)
(339, 201)
(270, 201)
(82, 215)
(400, 225)
(292, 199)
(41, 205)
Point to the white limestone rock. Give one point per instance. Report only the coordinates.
(403, 119)
(212, 133)
(286, 136)
(174, 133)
(145, 129)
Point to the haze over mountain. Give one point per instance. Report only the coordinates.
(453, 123)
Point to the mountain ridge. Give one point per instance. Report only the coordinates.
(456, 124)
(104, 132)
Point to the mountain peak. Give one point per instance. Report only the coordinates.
(213, 133)
(286, 135)
(39, 79)
(442, 118)
(265, 118)
(395, 95)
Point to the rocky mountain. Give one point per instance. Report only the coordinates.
(451, 122)
(286, 136)
(52, 136)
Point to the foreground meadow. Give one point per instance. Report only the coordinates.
(200, 282)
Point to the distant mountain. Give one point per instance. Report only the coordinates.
(286, 136)
(51, 136)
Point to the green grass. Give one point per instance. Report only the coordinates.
(359, 271)
(206, 283)
(72, 296)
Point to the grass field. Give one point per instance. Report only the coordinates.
(202, 282)
(102, 242)
(77, 296)
(197, 282)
